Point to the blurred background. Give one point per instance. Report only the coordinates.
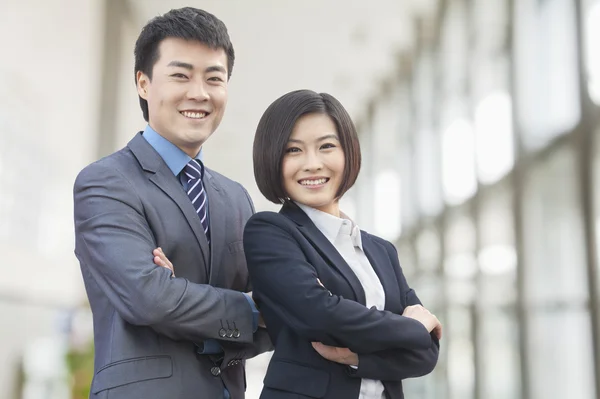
(478, 120)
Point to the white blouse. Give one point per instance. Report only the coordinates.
(344, 234)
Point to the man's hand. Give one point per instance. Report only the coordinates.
(160, 259)
(335, 354)
(426, 318)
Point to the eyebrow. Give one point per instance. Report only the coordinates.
(181, 64)
(327, 136)
(190, 67)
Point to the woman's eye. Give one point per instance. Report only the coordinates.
(292, 149)
(328, 145)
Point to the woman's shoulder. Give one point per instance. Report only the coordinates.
(269, 218)
(385, 243)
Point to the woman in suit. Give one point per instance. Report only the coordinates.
(343, 320)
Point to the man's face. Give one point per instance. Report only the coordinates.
(187, 94)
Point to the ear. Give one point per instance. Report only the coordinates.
(143, 82)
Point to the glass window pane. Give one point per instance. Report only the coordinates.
(547, 74)
(490, 23)
(428, 247)
(596, 174)
(388, 205)
(560, 354)
(591, 20)
(408, 258)
(497, 256)
(461, 368)
(427, 153)
(426, 141)
(460, 266)
(458, 161)
(555, 268)
(494, 137)
(556, 294)
(501, 361)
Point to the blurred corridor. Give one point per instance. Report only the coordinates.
(480, 127)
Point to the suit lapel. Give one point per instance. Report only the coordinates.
(163, 178)
(216, 215)
(324, 247)
(383, 267)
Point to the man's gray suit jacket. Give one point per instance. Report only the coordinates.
(146, 323)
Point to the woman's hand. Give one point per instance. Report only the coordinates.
(160, 259)
(335, 354)
(426, 318)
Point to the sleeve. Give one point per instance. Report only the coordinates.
(255, 313)
(114, 244)
(286, 285)
(398, 364)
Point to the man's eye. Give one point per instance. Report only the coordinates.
(216, 79)
(179, 75)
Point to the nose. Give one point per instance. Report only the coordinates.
(197, 91)
(313, 161)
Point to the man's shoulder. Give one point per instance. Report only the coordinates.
(119, 162)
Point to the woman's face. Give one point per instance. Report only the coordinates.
(313, 163)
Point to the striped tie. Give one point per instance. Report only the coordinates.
(193, 173)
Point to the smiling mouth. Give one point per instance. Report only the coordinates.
(194, 114)
(313, 182)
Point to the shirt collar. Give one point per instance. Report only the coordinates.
(332, 226)
(173, 156)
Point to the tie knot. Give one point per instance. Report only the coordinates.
(193, 170)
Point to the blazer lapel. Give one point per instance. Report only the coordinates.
(324, 247)
(216, 217)
(161, 176)
(379, 259)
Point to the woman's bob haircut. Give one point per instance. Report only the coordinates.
(275, 128)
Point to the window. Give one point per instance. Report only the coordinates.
(547, 74)
(458, 161)
(556, 281)
(460, 270)
(494, 137)
(427, 149)
(591, 20)
(497, 328)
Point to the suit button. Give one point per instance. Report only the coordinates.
(215, 371)
(231, 363)
(222, 333)
(236, 333)
(229, 333)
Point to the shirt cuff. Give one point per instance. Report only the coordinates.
(255, 313)
(209, 347)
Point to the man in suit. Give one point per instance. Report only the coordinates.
(157, 334)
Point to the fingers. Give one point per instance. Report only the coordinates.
(160, 259)
(438, 331)
(425, 317)
(335, 354)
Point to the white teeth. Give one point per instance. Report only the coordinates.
(313, 182)
(194, 115)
